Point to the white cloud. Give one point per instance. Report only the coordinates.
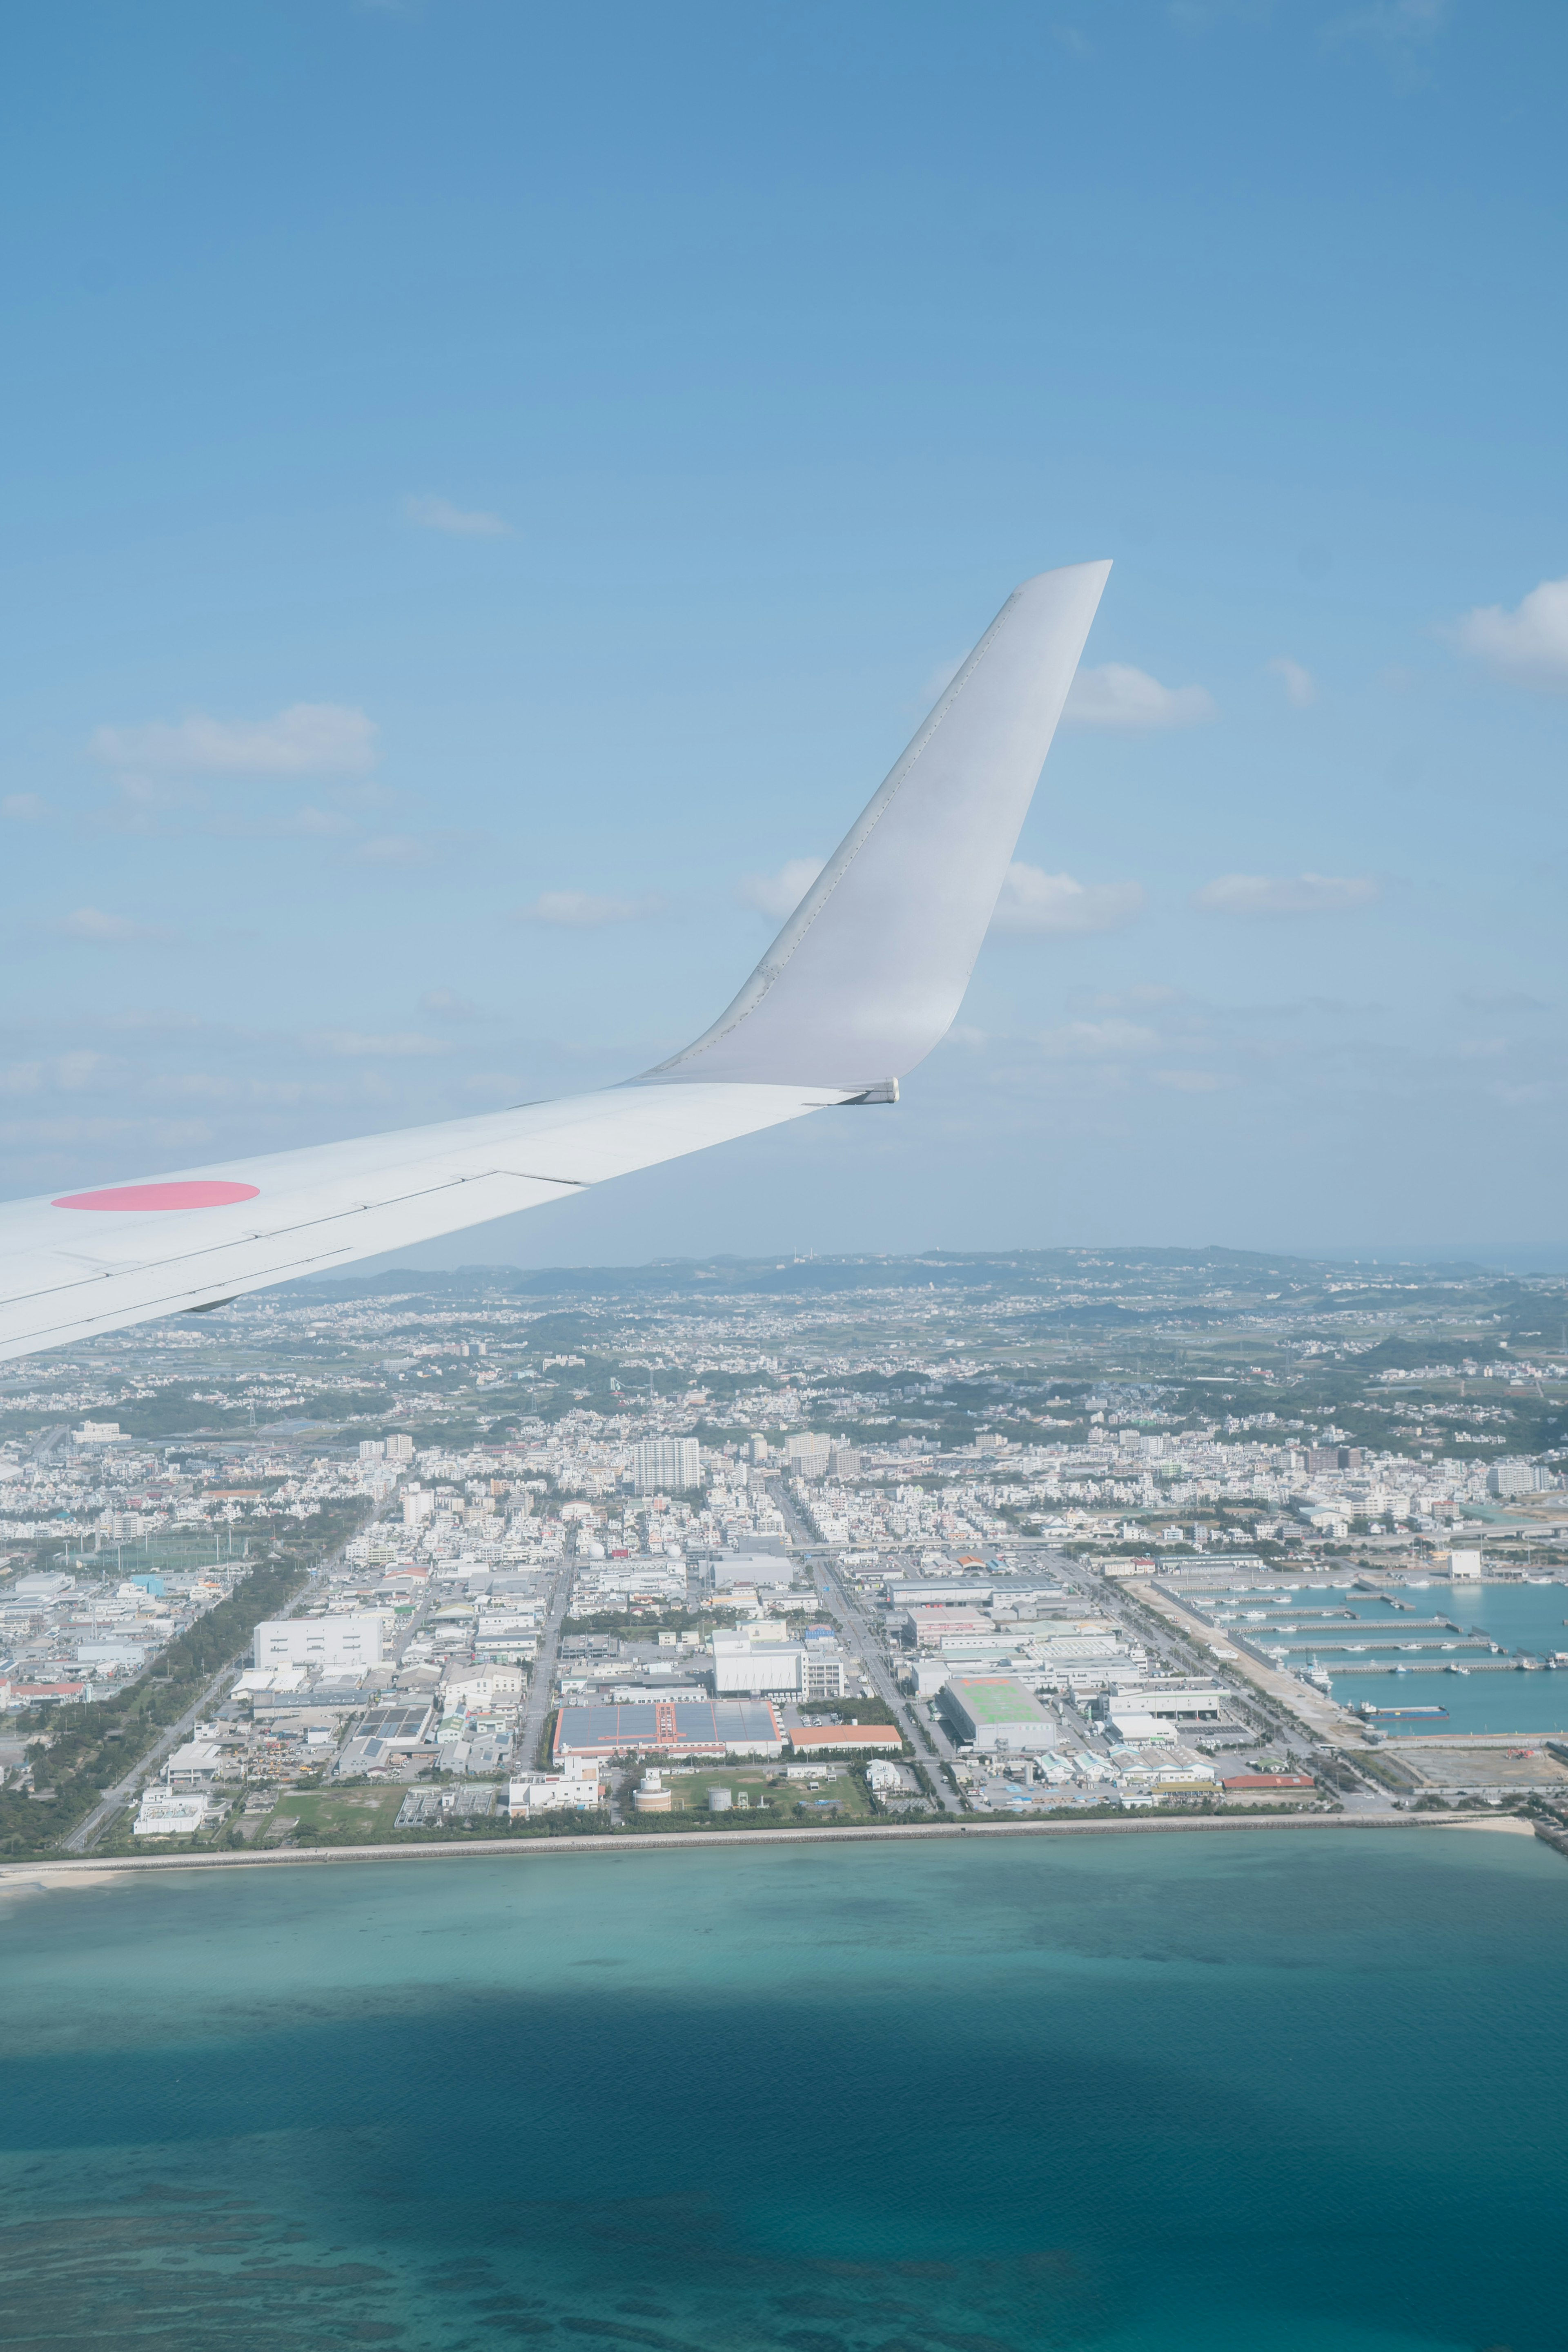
(1056, 907)
(318, 823)
(1285, 894)
(403, 1045)
(90, 923)
(392, 849)
(778, 895)
(1301, 687)
(1394, 20)
(1094, 1040)
(460, 522)
(584, 910)
(1116, 695)
(445, 1004)
(1143, 994)
(24, 808)
(309, 739)
(63, 1074)
(1527, 647)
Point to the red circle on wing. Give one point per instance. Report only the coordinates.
(160, 1196)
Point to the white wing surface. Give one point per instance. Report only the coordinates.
(863, 980)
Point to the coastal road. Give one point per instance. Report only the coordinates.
(125, 1789)
(543, 1681)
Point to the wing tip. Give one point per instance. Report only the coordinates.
(1098, 569)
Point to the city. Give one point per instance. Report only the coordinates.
(794, 1546)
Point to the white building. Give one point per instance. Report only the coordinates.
(337, 1645)
(162, 1814)
(574, 1789)
(1518, 1478)
(194, 1766)
(666, 1465)
(826, 1672)
(741, 1665)
(806, 1453)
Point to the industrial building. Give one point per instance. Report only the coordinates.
(926, 1627)
(756, 1572)
(576, 1789)
(1179, 1702)
(996, 1714)
(385, 1734)
(742, 1665)
(827, 1672)
(705, 1727)
(336, 1645)
(805, 1737)
(163, 1814)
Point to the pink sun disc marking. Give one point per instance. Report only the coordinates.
(160, 1196)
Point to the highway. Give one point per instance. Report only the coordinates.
(543, 1681)
(862, 1638)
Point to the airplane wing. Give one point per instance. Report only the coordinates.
(863, 980)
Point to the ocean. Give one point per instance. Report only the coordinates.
(1261, 2092)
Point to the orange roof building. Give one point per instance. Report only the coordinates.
(805, 1737)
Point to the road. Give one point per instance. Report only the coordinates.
(863, 1638)
(125, 1789)
(542, 1681)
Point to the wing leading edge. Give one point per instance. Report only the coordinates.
(863, 980)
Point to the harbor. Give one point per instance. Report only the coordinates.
(1497, 1646)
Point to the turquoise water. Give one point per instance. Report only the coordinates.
(1528, 1617)
(1276, 2093)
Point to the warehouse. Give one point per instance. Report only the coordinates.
(997, 1714)
(1178, 1702)
(742, 1665)
(334, 1646)
(806, 1737)
(697, 1726)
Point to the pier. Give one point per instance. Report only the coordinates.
(1435, 1667)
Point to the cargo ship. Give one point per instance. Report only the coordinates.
(1366, 1708)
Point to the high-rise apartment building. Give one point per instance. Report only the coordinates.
(665, 1465)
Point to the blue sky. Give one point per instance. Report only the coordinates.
(491, 487)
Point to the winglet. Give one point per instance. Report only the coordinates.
(869, 969)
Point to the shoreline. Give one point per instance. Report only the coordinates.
(95, 1871)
